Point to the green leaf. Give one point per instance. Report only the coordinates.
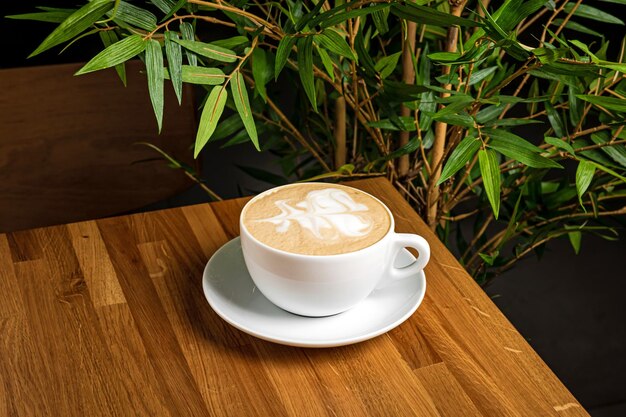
(584, 175)
(154, 69)
(134, 16)
(327, 63)
(519, 149)
(302, 22)
(410, 147)
(459, 119)
(230, 43)
(455, 106)
(173, 9)
(242, 103)
(460, 156)
(513, 122)
(489, 113)
(549, 55)
(617, 153)
(575, 105)
(575, 238)
(200, 75)
(108, 38)
(227, 127)
(187, 30)
(609, 103)
(592, 13)
(407, 124)
(345, 15)
(213, 109)
(387, 64)
(334, 42)
(380, 21)
(427, 105)
(397, 91)
(490, 172)
(115, 54)
(444, 56)
(262, 71)
(489, 259)
(240, 137)
(175, 63)
(208, 50)
(555, 120)
(514, 11)
(608, 171)
(593, 154)
(75, 24)
(305, 68)
(429, 16)
(51, 17)
(282, 53)
(614, 66)
(564, 71)
(560, 143)
(585, 49)
(361, 50)
(480, 75)
(164, 5)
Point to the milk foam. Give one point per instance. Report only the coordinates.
(327, 209)
(316, 219)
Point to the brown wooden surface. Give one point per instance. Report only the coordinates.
(108, 317)
(67, 145)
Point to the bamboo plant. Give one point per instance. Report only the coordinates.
(509, 115)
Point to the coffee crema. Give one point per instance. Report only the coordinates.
(316, 219)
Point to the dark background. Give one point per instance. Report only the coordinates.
(570, 308)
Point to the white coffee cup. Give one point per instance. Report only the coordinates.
(323, 285)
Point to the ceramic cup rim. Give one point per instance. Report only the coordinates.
(265, 246)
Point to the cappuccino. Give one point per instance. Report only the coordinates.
(316, 219)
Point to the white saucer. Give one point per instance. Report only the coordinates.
(232, 294)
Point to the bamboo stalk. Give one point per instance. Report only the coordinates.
(408, 77)
(441, 128)
(340, 132)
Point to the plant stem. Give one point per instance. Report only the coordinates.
(600, 145)
(479, 234)
(528, 23)
(550, 20)
(582, 216)
(460, 217)
(567, 18)
(298, 135)
(202, 185)
(221, 5)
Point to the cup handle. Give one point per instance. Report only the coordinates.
(401, 241)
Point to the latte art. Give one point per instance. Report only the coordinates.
(316, 219)
(331, 209)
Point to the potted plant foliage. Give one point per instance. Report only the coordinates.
(511, 114)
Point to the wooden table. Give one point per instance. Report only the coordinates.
(108, 318)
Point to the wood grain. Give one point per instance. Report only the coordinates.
(68, 150)
(445, 391)
(108, 317)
